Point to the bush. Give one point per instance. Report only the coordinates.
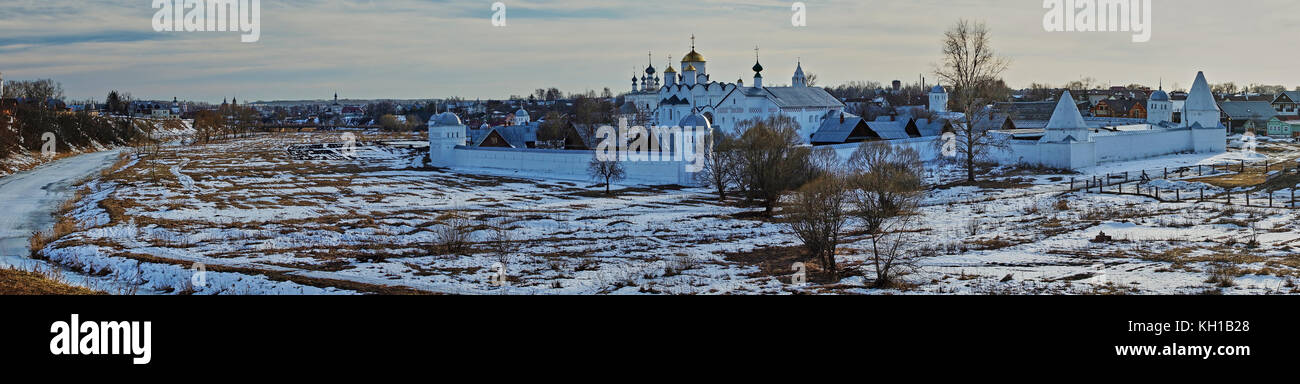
(818, 214)
(453, 235)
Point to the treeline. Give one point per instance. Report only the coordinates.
(72, 130)
(228, 121)
(588, 113)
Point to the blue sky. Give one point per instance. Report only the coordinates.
(426, 49)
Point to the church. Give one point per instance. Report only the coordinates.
(694, 91)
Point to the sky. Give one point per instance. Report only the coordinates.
(420, 49)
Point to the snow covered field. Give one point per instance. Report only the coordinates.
(260, 222)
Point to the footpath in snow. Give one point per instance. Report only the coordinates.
(28, 198)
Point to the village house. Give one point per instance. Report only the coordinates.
(1123, 108)
(1280, 128)
(844, 127)
(1287, 103)
(1243, 116)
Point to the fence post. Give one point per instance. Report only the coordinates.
(1270, 199)
(1178, 195)
(1243, 170)
(1157, 194)
(1071, 184)
(1125, 176)
(1247, 199)
(1166, 172)
(1198, 170)
(1202, 194)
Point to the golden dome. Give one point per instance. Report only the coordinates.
(693, 57)
(670, 70)
(689, 68)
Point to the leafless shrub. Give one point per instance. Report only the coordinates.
(721, 170)
(1223, 274)
(502, 237)
(678, 264)
(817, 214)
(453, 234)
(973, 226)
(887, 183)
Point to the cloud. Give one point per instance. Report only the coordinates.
(54, 40)
(428, 48)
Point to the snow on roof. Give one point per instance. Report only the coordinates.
(1253, 110)
(1200, 99)
(890, 130)
(1066, 115)
(833, 130)
(791, 97)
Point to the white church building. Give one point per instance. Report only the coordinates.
(694, 91)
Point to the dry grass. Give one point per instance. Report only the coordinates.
(20, 282)
(41, 239)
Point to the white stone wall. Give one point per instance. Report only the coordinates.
(1114, 146)
(1119, 146)
(561, 164)
(924, 146)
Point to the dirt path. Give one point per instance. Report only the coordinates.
(28, 198)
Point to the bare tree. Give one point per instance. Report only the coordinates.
(772, 159)
(720, 164)
(607, 170)
(972, 69)
(818, 214)
(1225, 88)
(38, 90)
(1039, 92)
(891, 253)
(1083, 85)
(501, 237)
(886, 184)
(825, 161)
